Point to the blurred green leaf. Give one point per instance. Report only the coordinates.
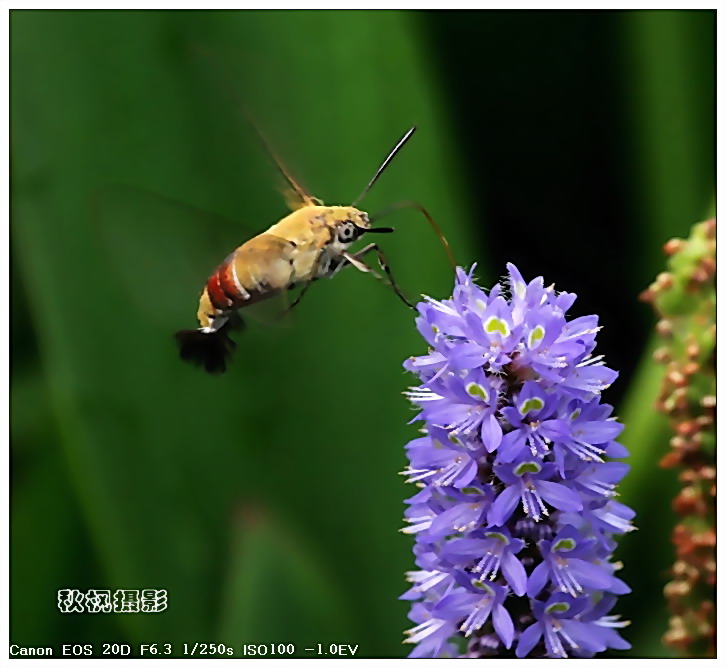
(48, 548)
(671, 92)
(159, 453)
(277, 592)
(646, 430)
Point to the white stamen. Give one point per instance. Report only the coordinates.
(418, 633)
(613, 622)
(598, 360)
(424, 580)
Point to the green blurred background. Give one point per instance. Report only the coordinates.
(266, 501)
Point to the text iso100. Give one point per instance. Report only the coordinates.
(270, 649)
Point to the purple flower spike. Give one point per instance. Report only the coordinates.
(515, 514)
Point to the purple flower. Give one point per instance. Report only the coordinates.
(515, 514)
(569, 563)
(461, 511)
(475, 601)
(599, 479)
(534, 421)
(462, 405)
(527, 482)
(558, 623)
(440, 461)
(431, 634)
(597, 613)
(494, 552)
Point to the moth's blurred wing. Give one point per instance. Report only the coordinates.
(223, 77)
(161, 253)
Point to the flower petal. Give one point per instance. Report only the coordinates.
(559, 496)
(528, 639)
(538, 578)
(503, 625)
(590, 575)
(514, 573)
(512, 444)
(617, 586)
(616, 450)
(613, 639)
(588, 636)
(491, 433)
(503, 506)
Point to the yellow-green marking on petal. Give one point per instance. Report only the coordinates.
(527, 467)
(531, 404)
(535, 336)
(476, 390)
(564, 545)
(495, 324)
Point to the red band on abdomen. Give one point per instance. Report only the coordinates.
(227, 282)
(216, 294)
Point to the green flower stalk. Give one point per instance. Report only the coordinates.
(685, 299)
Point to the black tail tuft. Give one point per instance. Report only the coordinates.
(208, 349)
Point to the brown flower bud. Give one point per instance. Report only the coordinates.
(676, 589)
(677, 378)
(664, 327)
(686, 428)
(673, 246)
(670, 460)
(707, 472)
(689, 368)
(664, 280)
(709, 401)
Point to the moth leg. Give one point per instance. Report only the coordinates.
(297, 299)
(360, 266)
(373, 248)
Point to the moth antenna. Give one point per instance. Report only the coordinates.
(242, 107)
(385, 163)
(415, 205)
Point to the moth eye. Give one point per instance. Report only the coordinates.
(347, 232)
